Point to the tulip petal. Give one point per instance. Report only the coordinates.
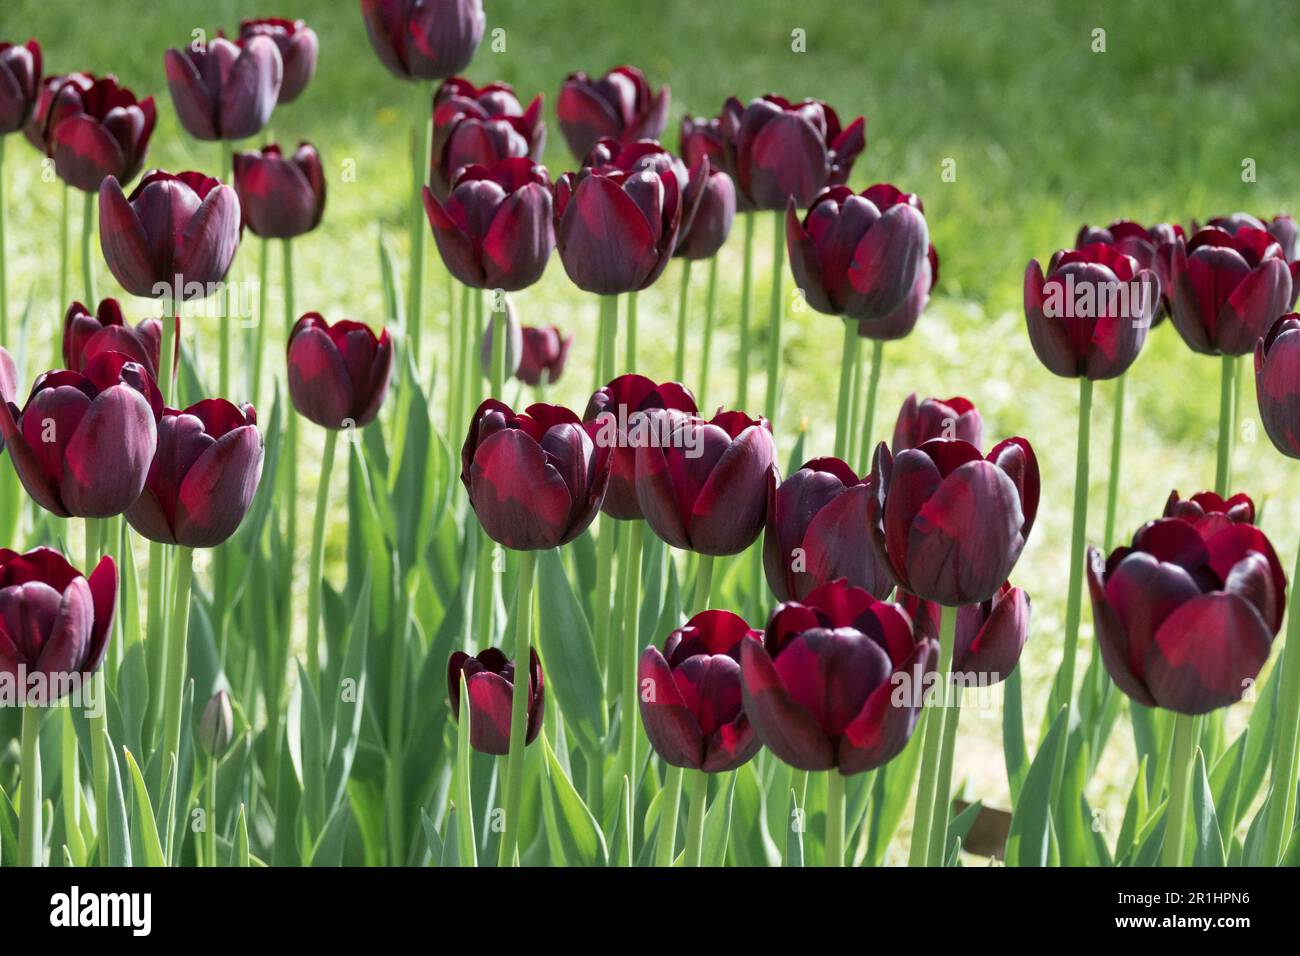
(729, 512)
(190, 97)
(672, 728)
(103, 593)
(521, 500)
(123, 239)
(518, 243)
(1207, 653)
(490, 698)
(69, 638)
(605, 242)
(109, 455)
(785, 726)
(218, 489)
(885, 724)
(210, 239)
(887, 262)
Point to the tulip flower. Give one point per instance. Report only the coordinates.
(545, 351)
(281, 198)
(298, 48)
(1143, 245)
(98, 130)
(174, 238)
(899, 323)
(535, 479)
(702, 484)
(424, 39)
(712, 221)
(1208, 506)
(479, 126)
(814, 532)
(338, 374)
(620, 106)
(494, 230)
(690, 695)
(1277, 383)
(20, 84)
(490, 680)
(216, 728)
(918, 422)
(1287, 234)
(83, 443)
(8, 384)
(87, 335)
(990, 635)
(203, 477)
(58, 97)
(227, 89)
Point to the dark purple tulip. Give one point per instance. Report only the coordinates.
(1282, 228)
(820, 689)
(618, 106)
(1141, 244)
(990, 635)
(281, 198)
(1185, 618)
(20, 84)
(53, 621)
(1277, 383)
(623, 404)
(226, 90)
(424, 39)
(711, 224)
(99, 131)
(175, 237)
(490, 680)
(1208, 506)
(899, 323)
(8, 385)
(494, 230)
(918, 422)
(1227, 289)
(203, 477)
(83, 444)
(479, 126)
(535, 479)
(58, 98)
(338, 374)
(298, 48)
(702, 484)
(784, 150)
(690, 695)
(86, 336)
(815, 522)
(545, 350)
(1090, 316)
(514, 340)
(948, 522)
(859, 256)
(216, 728)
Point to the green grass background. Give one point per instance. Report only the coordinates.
(1045, 134)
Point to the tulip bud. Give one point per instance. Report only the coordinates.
(545, 351)
(20, 84)
(514, 340)
(86, 336)
(934, 418)
(298, 48)
(281, 198)
(618, 106)
(1277, 383)
(216, 728)
(225, 90)
(480, 126)
(424, 39)
(490, 681)
(338, 374)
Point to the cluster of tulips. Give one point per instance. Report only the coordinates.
(888, 564)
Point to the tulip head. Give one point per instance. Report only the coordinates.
(619, 105)
(815, 522)
(53, 621)
(20, 84)
(702, 485)
(514, 339)
(1277, 383)
(545, 350)
(1142, 244)
(691, 698)
(281, 198)
(494, 230)
(535, 479)
(226, 89)
(59, 97)
(338, 374)
(174, 238)
(479, 126)
(918, 422)
(1206, 505)
(948, 522)
(8, 388)
(836, 682)
(99, 131)
(711, 224)
(216, 730)
(490, 681)
(86, 336)
(298, 48)
(424, 39)
(990, 635)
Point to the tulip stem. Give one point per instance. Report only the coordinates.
(1223, 466)
(1180, 768)
(523, 627)
(866, 427)
(630, 344)
(421, 139)
(470, 331)
(610, 343)
(316, 569)
(178, 633)
(499, 324)
(848, 358)
(746, 281)
(679, 369)
(167, 351)
(630, 570)
(95, 540)
(87, 232)
(669, 807)
(64, 256)
(4, 275)
(703, 583)
(774, 326)
(834, 818)
(156, 629)
(943, 789)
(1063, 691)
(1116, 451)
(259, 340)
(935, 712)
(1282, 783)
(31, 833)
(706, 349)
(695, 817)
(289, 470)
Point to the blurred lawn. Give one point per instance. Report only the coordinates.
(1045, 134)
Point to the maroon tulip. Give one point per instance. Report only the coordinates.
(20, 84)
(1141, 244)
(622, 408)
(490, 680)
(99, 131)
(83, 444)
(1185, 618)
(859, 256)
(225, 90)
(545, 350)
(990, 635)
(58, 98)
(1090, 316)
(702, 485)
(54, 622)
(338, 374)
(8, 385)
(711, 224)
(820, 690)
(949, 523)
(86, 336)
(1227, 289)
(899, 323)
(1287, 234)
(618, 106)
(494, 230)
(1282, 228)
(814, 532)
(536, 479)
(918, 422)
(424, 39)
(690, 695)
(298, 48)
(479, 126)
(1208, 506)
(174, 238)
(280, 198)
(784, 150)
(702, 138)
(1277, 383)
(203, 477)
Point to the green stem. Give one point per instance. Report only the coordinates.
(935, 713)
(695, 817)
(679, 368)
(706, 349)
(866, 427)
(703, 584)
(223, 346)
(630, 569)
(847, 358)
(774, 324)
(31, 833)
(210, 830)
(523, 628)
(630, 344)
(394, 786)
(290, 468)
(609, 358)
(1063, 692)
(4, 275)
(259, 338)
(498, 353)
(316, 569)
(156, 630)
(1116, 451)
(87, 236)
(834, 818)
(484, 585)
(178, 632)
(468, 399)
(95, 544)
(669, 807)
(853, 445)
(943, 789)
(421, 139)
(1180, 769)
(64, 262)
(167, 352)
(1282, 783)
(746, 283)
(1223, 466)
